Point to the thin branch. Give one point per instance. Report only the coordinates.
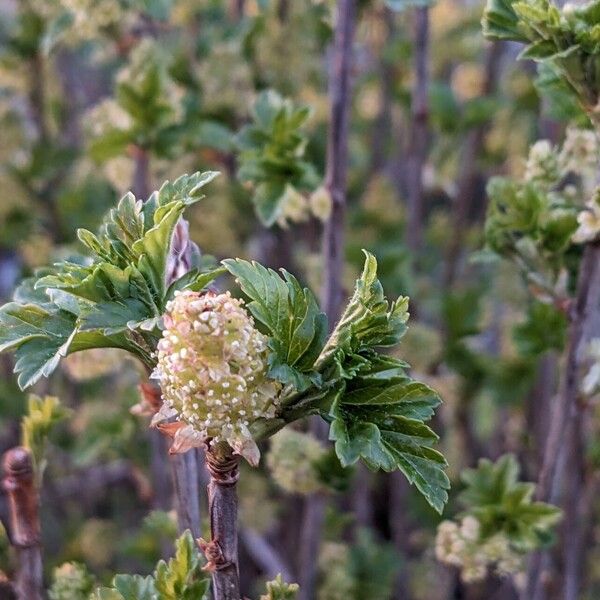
(25, 532)
(566, 409)
(184, 470)
(566, 406)
(419, 130)
(333, 253)
(270, 562)
(468, 173)
(222, 550)
(337, 158)
(140, 185)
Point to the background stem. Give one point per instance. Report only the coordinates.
(19, 483)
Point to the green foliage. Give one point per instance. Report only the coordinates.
(116, 299)
(378, 412)
(272, 151)
(144, 98)
(495, 497)
(374, 566)
(279, 590)
(565, 38)
(297, 328)
(181, 578)
(42, 415)
(532, 220)
(544, 329)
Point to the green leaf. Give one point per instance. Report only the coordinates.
(544, 329)
(368, 320)
(181, 577)
(272, 152)
(135, 587)
(501, 503)
(106, 594)
(268, 198)
(42, 415)
(382, 423)
(296, 326)
(500, 21)
(110, 144)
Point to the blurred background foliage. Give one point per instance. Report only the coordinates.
(101, 96)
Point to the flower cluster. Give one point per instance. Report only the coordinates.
(589, 221)
(462, 546)
(71, 580)
(336, 581)
(292, 459)
(580, 152)
(542, 163)
(297, 208)
(212, 365)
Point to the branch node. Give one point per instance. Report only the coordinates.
(214, 555)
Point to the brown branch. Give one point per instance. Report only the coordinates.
(566, 410)
(222, 550)
(333, 253)
(468, 171)
(25, 534)
(184, 470)
(140, 185)
(264, 555)
(419, 131)
(566, 406)
(337, 158)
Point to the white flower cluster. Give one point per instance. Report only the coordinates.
(336, 581)
(297, 208)
(292, 459)
(212, 365)
(578, 155)
(106, 116)
(542, 163)
(589, 221)
(580, 152)
(90, 17)
(461, 545)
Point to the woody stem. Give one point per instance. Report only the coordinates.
(222, 550)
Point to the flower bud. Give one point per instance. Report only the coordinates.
(212, 369)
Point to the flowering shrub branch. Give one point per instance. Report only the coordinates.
(231, 372)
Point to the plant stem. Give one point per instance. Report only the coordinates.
(140, 185)
(184, 470)
(19, 483)
(337, 158)
(566, 410)
(566, 406)
(419, 130)
(466, 186)
(222, 550)
(333, 254)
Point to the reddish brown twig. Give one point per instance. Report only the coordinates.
(222, 550)
(23, 497)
